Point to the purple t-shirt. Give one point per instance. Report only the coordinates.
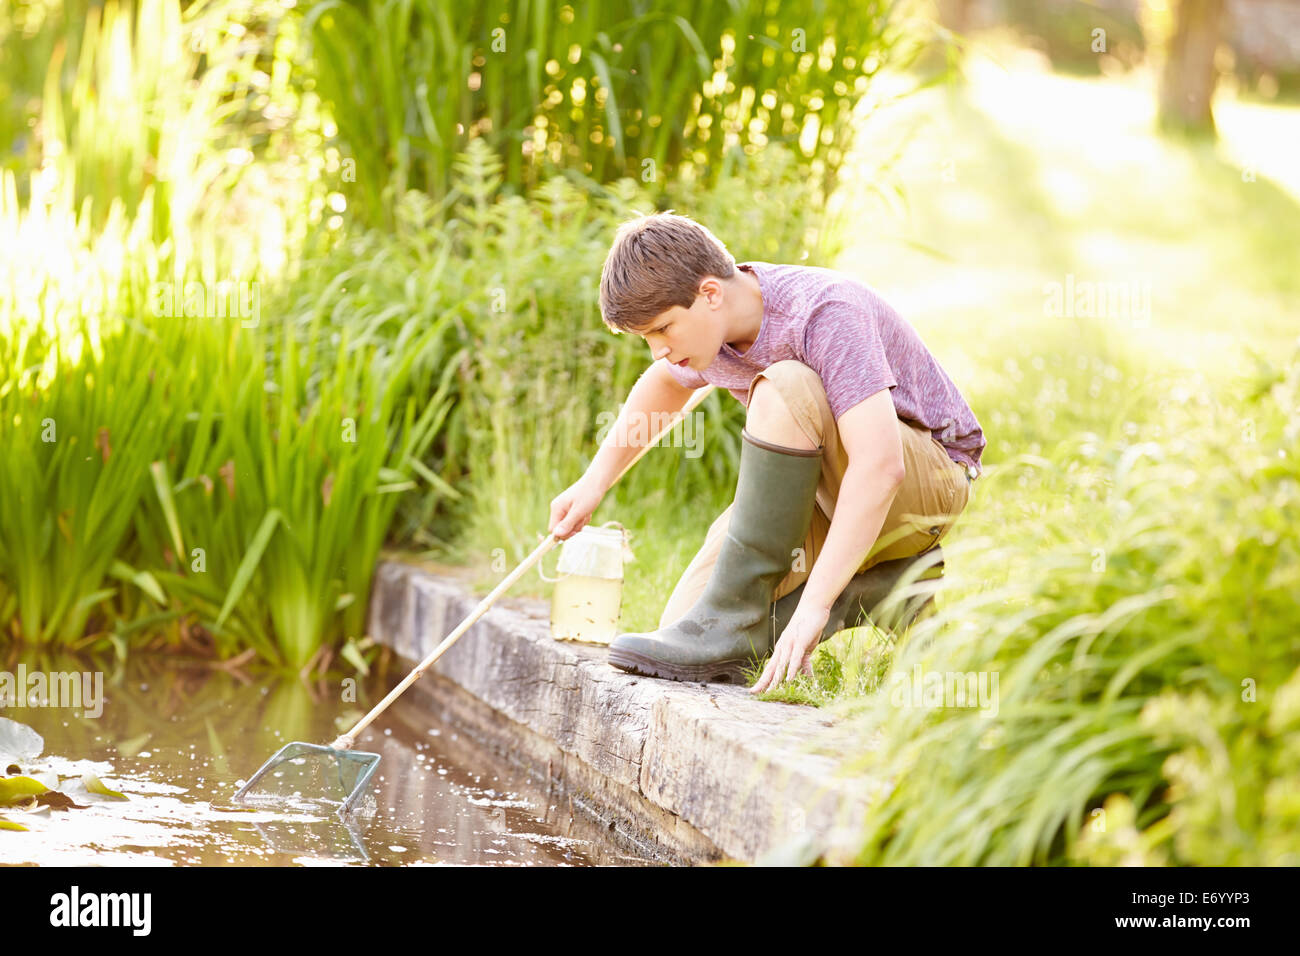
(856, 343)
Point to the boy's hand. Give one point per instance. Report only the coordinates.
(571, 509)
(794, 648)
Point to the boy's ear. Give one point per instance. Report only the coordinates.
(707, 281)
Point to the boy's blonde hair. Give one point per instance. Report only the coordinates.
(655, 263)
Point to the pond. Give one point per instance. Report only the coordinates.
(177, 738)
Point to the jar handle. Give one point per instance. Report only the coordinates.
(554, 580)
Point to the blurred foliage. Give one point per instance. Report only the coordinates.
(196, 117)
(654, 90)
(1066, 31)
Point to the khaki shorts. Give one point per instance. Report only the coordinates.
(934, 492)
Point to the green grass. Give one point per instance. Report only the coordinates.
(168, 466)
(172, 465)
(80, 434)
(289, 490)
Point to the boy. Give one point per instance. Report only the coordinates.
(857, 447)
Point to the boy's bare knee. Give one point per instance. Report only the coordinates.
(769, 417)
(766, 405)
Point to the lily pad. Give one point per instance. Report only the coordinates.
(18, 790)
(51, 780)
(18, 742)
(93, 785)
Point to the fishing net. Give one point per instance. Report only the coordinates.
(310, 778)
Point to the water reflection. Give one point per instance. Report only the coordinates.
(177, 736)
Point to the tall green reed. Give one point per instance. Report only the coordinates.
(175, 148)
(651, 91)
(269, 516)
(80, 418)
(82, 410)
(173, 465)
(166, 111)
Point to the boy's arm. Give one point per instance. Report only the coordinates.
(869, 432)
(654, 397)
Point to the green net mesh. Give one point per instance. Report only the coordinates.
(310, 778)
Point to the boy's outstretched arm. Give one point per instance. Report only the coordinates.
(655, 396)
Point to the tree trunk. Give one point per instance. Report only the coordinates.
(1187, 86)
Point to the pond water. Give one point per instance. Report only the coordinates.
(178, 738)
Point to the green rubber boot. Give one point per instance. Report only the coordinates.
(727, 628)
(859, 602)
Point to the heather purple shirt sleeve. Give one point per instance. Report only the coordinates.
(842, 345)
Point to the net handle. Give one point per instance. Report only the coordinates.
(346, 741)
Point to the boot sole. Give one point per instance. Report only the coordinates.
(717, 672)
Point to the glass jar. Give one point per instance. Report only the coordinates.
(589, 586)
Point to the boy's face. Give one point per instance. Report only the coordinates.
(689, 338)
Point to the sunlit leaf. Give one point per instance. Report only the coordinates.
(352, 655)
(248, 565)
(93, 785)
(18, 790)
(163, 489)
(145, 581)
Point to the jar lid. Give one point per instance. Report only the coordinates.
(595, 529)
(593, 552)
